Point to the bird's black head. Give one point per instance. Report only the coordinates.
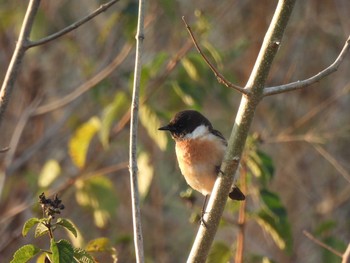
(185, 122)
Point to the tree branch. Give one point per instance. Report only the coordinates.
(221, 79)
(136, 214)
(308, 82)
(244, 118)
(89, 84)
(320, 243)
(17, 57)
(73, 26)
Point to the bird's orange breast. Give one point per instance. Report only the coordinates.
(198, 159)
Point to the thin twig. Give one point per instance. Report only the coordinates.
(268, 91)
(135, 197)
(320, 243)
(17, 57)
(333, 162)
(221, 79)
(155, 84)
(87, 85)
(73, 26)
(241, 218)
(5, 149)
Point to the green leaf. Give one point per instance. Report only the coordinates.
(145, 174)
(261, 166)
(40, 230)
(25, 253)
(97, 193)
(49, 173)
(151, 122)
(273, 219)
(110, 114)
(29, 224)
(219, 253)
(79, 143)
(83, 256)
(62, 251)
(67, 224)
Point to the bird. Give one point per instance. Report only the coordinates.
(199, 150)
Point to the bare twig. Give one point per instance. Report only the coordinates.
(17, 57)
(268, 91)
(241, 219)
(155, 84)
(221, 79)
(320, 243)
(317, 109)
(73, 26)
(332, 161)
(5, 149)
(135, 198)
(87, 85)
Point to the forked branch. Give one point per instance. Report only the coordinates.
(268, 91)
(221, 79)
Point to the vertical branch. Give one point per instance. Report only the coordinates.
(17, 56)
(239, 134)
(241, 219)
(136, 214)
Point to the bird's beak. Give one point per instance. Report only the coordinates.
(165, 128)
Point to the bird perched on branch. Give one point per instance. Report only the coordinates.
(200, 150)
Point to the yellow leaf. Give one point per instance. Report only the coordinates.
(79, 143)
(145, 174)
(151, 122)
(49, 173)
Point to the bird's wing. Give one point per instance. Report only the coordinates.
(218, 134)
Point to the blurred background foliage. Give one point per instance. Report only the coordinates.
(68, 132)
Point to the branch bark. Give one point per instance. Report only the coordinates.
(18, 55)
(312, 80)
(136, 214)
(244, 118)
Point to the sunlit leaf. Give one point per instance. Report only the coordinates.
(186, 98)
(40, 230)
(67, 225)
(219, 253)
(49, 173)
(62, 251)
(273, 219)
(98, 245)
(97, 193)
(25, 253)
(79, 143)
(110, 114)
(190, 69)
(83, 256)
(145, 174)
(151, 122)
(29, 224)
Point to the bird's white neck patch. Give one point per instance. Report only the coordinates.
(198, 132)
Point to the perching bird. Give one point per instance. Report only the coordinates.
(200, 150)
